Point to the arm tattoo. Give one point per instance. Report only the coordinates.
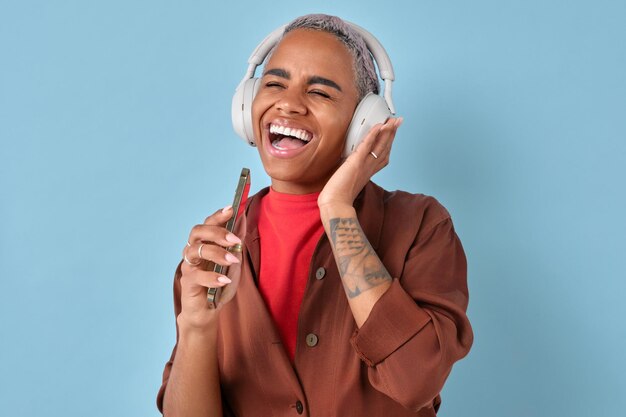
(358, 264)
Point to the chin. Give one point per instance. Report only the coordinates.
(296, 180)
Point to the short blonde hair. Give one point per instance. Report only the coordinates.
(363, 63)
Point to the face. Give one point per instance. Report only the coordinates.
(303, 109)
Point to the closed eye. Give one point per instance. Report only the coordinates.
(320, 93)
(273, 84)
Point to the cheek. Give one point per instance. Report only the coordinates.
(339, 121)
(262, 101)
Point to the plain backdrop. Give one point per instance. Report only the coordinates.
(115, 139)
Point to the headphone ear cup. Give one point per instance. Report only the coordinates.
(371, 110)
(241, 110)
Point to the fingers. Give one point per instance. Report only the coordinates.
(214, 234)
(209, 242)
(205, 279)
(213, 230)
(383, 140)
(195, 254)
(376, 146)
(197, 279)
(208, 245)
(228, 292)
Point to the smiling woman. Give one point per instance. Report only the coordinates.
(345, 299)
(308, 85)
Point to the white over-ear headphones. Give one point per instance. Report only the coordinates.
(371, 110)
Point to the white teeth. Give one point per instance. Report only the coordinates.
(291, 131)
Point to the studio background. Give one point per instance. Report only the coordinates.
(115, 139)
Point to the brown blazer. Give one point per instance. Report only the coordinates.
(394, 365)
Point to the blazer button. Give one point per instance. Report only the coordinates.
(319, 274)
(299, 407)
(311, 340)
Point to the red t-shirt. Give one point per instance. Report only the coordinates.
(289, 229)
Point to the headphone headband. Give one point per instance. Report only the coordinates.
(385, 69)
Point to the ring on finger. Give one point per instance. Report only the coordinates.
(374, 155)
(190, 263)
(187, 259)
(200, 251)
(235, 248)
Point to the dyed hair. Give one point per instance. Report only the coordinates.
(363, 63)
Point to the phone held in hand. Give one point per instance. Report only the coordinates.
(241, 195)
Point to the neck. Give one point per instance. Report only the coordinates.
(287, 187)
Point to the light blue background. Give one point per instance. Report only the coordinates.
(115, 139)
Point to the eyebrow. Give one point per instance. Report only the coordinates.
(315, 79)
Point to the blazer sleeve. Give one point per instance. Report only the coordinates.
(168, 365)
(419, 328)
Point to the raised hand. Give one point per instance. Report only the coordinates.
(370, 156)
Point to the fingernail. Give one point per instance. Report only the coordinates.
(400, 121)
(232, 238)
(224, 280)
(225, 209)
(231, 258)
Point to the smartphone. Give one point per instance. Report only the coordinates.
(241, 195)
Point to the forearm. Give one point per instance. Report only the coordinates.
(193, 388)
(363, 275)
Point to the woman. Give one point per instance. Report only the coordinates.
(347, 300)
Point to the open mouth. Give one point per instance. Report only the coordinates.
(284, 138)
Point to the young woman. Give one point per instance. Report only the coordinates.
(347, 300)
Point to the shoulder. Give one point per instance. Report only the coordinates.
(399, 222)
(409, 209)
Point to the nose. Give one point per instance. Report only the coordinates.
(291, 102)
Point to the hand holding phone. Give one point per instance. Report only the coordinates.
(241, 195)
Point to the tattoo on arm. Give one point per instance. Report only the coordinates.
(358, 264)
